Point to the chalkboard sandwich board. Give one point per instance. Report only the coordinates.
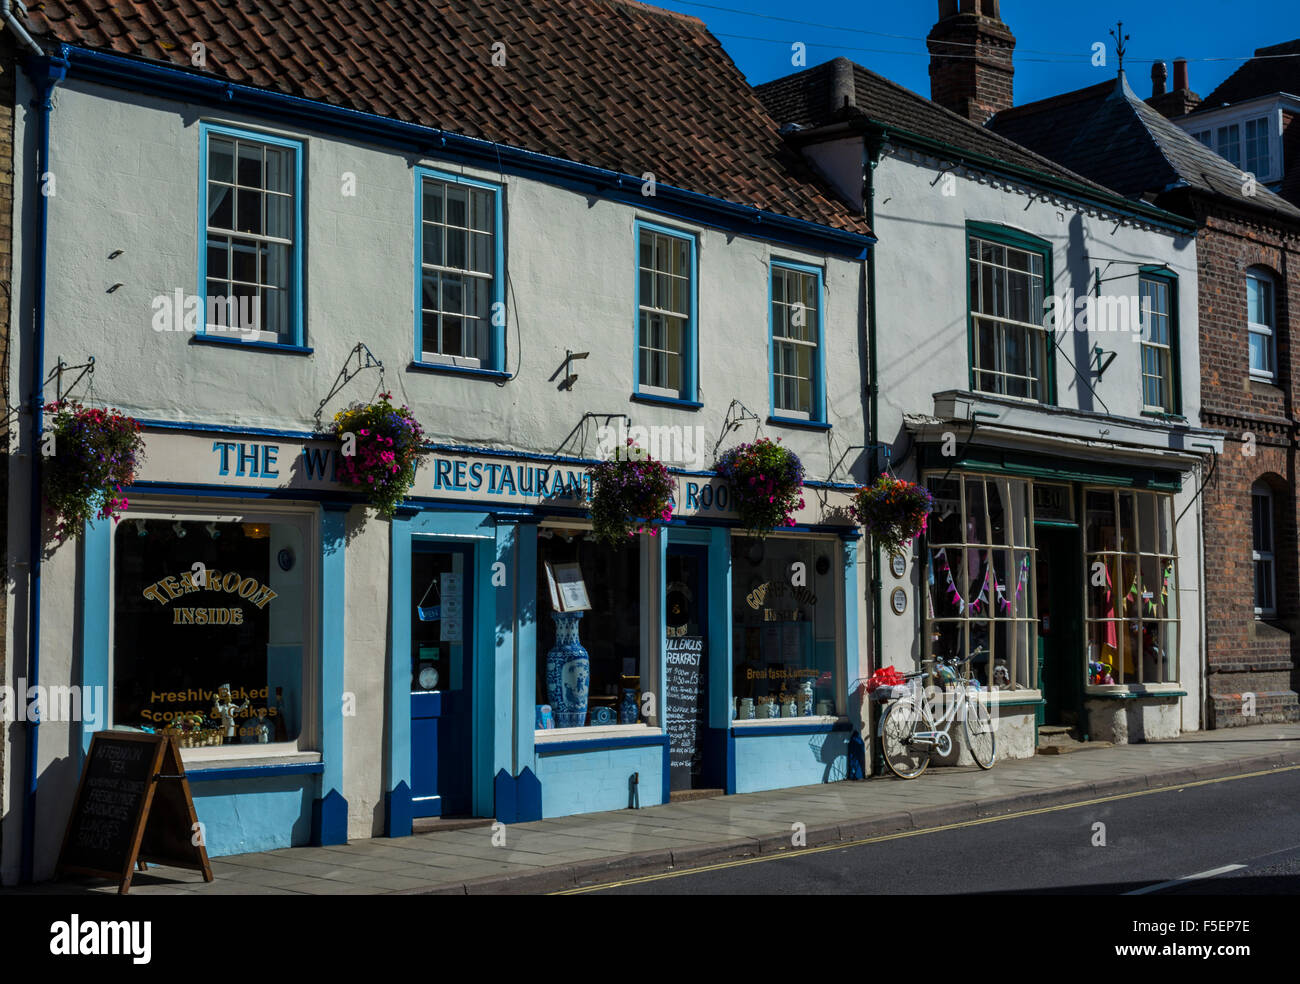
(133, 806)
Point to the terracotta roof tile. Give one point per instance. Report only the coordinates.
(612, 83)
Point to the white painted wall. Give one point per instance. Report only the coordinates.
(922, 308)
(127, 173)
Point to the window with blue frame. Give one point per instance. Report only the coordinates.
(798, 392)
(460, 283)
(251, 266)
(665, 313)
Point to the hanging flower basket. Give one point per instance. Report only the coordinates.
(629, 491)
(93, 456)
(385, 444)
(893, 511)
(766, 484)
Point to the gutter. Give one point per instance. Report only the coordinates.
(45, 72)
(139, 75)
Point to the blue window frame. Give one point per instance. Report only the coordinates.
(251, 237)
(667, 290)
(460, 322)
(796, 344)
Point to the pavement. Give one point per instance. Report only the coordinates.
(569, 852)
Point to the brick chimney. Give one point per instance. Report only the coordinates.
(1178, 101)
(970, 59)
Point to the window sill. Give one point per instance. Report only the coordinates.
(758, 724)
(439, 367)
(208, 765)
(668, 401)
(1132, 691)
(1015, 696)
(797, 422)
(601, 731)
(201, 338)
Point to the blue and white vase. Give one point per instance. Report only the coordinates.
(627, 708)
(568, 673)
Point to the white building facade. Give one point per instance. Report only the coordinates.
(502, 295)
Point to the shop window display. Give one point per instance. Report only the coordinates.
(1132, 598)
(208, 629)
(784, 632)
(612, 630)
(980, 578)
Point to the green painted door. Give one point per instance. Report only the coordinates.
(1060, 622)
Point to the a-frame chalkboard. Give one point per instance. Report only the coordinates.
(133, 806)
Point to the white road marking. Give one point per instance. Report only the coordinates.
(1196, 877)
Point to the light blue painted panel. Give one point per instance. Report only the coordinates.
(781, 761)
(587, 782)
(240, 817)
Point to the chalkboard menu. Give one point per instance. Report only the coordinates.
(133, 805)
(687, 708)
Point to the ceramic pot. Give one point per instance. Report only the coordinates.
(568, 672)
(790, 709)
(806, 698)
(825, 708)
(627, 710)
(746, 709)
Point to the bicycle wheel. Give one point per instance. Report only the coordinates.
(906, 759)
(978, 724)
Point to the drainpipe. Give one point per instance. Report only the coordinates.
(6, 14)
(45, 72)
(874, 142)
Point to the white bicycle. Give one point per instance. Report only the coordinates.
(909, 732)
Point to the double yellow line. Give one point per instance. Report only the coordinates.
(843, 845)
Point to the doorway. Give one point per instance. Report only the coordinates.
(1060, 622)
(686, 653)
(442, 680)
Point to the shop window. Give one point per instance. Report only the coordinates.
(613, 630)
(209, 629)
(784, 631)
(1132, 596)
(980, 578)
(1261, 502)
(458, 272)
(1009, 348)
(251, 267)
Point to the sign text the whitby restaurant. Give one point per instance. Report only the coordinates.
(471, 476)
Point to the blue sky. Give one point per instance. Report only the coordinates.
(1053, 39)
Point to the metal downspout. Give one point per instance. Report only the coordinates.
(7, 14)
(873, 145)
(45, 72)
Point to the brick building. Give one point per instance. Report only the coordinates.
(1248, 260)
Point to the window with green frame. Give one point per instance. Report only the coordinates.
(1159, 314)
(1009, 274)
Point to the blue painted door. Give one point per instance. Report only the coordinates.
(442, 680)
